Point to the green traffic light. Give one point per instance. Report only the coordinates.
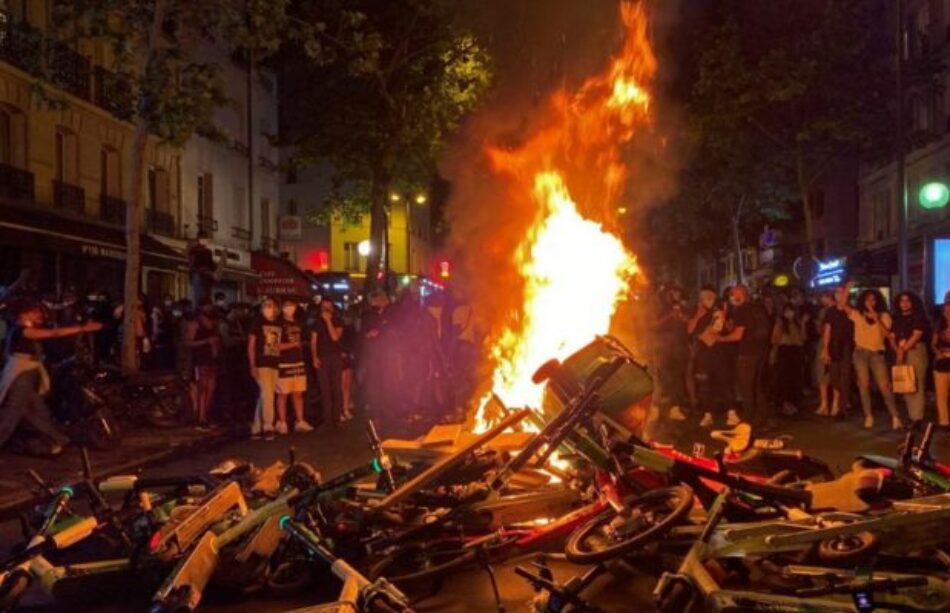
(934, 195)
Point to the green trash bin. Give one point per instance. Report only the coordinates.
(625, 397)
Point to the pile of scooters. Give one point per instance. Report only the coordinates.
(757, 526)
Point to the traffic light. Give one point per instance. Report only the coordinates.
(934, 195)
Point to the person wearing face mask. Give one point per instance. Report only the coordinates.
(24, 379)
(788, 357)
(291, 370)
(326, 352)
(263, 356)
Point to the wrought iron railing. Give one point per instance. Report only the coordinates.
(112, 209)
(113, 92)
(241, 234)
(269, 244)
(15, 183)
(69, 69)
(21, 45)
(207, 224)
(69, 197)
(160, 222)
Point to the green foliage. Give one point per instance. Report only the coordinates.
(785, 89)
(395, 78)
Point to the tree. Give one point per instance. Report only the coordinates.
(156, 46)
(396, 76)
(810, 79)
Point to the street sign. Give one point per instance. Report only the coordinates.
(290, 227)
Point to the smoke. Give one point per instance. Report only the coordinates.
(541, 48)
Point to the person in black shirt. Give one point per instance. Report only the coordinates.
(24, 379)
(837, 347)
(202, 269)
(291, 370)
(672, 344)
(751, 332)
(909, 336)
(263, 355)
(326, 352)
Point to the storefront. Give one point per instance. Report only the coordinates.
(70, 253)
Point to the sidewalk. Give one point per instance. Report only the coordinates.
(139, 448)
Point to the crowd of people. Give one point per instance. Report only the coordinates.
(735, 357)
(282, 364)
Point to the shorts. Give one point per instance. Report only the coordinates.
(290, 385)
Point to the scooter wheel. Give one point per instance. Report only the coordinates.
(849, 549)
(12, 588)
(645, 519)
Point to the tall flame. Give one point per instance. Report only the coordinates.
(574, 270)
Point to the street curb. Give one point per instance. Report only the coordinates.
(14, 505)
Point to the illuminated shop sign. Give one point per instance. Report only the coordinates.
(830, 272)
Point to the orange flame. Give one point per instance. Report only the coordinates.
(575, 270)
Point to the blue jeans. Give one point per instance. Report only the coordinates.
(918, 358)
(871, 363)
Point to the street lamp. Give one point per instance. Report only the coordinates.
(933, 195)
(364, 248)
(421, 199)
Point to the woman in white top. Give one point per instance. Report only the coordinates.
(872, 325)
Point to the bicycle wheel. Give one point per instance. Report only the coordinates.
(645, 519)
(419, 562)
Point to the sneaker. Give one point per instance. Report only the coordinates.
(256, 429)
(706, 421)
(676, 414)
(732, 419)
(835, 411)
(868, 421)
(281, 427)
(896, 423)
(268, 434)
(823, 411)
(303, 426)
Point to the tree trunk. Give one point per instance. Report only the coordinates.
(378, 225)
(804, 190)
(737, 242)
(133, 210)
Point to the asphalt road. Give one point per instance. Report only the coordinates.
(334, 451)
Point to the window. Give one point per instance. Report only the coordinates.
(352, 260)
(265, 218)
(921, 114)
(206, 196)
(6, 138)
(158, 189)
(291, 174)
(110, 181)
(292, 207)
(60, 157)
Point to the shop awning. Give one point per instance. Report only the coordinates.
(278, 277)
(36, 228)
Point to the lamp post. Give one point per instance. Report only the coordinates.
(901, 170)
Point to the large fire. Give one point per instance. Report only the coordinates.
(575, 270)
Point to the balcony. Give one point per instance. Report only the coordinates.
(68, 197)
(241, 234)
(69, 69)
(21, 45)
(112, 209)
(160, 222)
(15, 184)
(113, 92)
(207, 224)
